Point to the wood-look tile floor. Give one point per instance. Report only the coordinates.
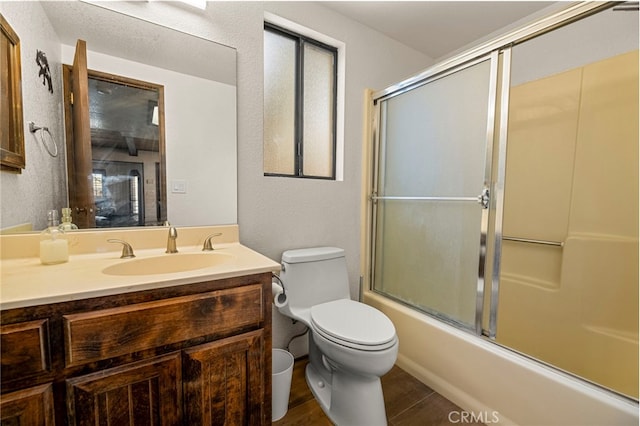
(408, 402)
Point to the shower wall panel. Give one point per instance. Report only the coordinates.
(572, 177)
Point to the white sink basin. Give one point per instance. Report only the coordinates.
(167, 264)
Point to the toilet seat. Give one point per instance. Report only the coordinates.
(353, 324)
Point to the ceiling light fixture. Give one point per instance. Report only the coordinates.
(200, 4)
(627, 6)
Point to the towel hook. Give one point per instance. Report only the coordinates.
(33, 129)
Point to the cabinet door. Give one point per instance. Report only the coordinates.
(142, 393)
(223, 381)
(33, 406)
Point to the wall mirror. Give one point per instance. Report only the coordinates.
(198, 77)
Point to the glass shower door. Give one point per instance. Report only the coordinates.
(431, 192)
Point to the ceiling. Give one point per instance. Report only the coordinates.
(436, 28)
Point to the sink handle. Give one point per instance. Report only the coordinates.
(127, 250)
(207, 242)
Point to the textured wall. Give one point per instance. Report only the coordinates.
(44, 178)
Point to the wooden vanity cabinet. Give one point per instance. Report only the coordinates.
(194, 354)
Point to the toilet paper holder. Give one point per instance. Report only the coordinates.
(279, 296)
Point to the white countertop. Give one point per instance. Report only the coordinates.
(26, 282)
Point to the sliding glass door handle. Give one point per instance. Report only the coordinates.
(483, 199)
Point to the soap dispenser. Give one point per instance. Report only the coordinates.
(54, 247)
(66, 224)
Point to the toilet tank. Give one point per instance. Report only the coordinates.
(312, 276)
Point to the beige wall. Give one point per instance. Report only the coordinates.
(572, 177)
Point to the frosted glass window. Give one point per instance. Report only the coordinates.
(319, 104)
(279, 103)
(299, 105)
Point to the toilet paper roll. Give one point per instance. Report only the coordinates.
(279, 298)
(275, 289)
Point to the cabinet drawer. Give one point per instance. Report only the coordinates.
(108, 333)
(24, 349)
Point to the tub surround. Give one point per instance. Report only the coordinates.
(482, 377)
(26, 282)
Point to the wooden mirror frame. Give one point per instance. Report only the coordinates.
(12, 155)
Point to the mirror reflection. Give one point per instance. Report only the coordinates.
(127, 173)
(194, 184)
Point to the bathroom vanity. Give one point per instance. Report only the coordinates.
(190, 347)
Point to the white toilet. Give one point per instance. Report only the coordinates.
(350, 344)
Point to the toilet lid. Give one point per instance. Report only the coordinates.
(353, 322)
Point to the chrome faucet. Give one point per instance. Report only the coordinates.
(171, 240)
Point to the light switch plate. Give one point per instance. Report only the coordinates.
(179, 186)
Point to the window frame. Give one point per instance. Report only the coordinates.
(103, 174)
(301, 41)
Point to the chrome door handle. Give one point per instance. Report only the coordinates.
(483, 199)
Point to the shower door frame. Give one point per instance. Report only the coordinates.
(483, 198)
(498, 50)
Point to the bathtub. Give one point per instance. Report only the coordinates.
(495, 385)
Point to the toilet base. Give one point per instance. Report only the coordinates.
(350, 399)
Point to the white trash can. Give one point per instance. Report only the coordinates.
(282, 370)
